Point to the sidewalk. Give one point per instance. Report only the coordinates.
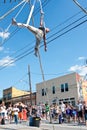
(43, 126)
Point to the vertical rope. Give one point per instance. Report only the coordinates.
(31, 12)
(32, 15)
(42, 72)
(16, 16)
(6, 14)
(41, 66)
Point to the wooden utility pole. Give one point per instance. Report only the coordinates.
(30, 84)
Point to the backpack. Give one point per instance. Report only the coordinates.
(2, 121)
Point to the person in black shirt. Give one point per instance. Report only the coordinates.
(20, 114)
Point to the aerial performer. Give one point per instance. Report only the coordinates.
(40, 33)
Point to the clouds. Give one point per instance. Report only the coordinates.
(82, 70)
(81, 58)
(7, 61)
(4, 35)
(1, 48)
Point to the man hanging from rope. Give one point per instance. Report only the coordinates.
(40, 33)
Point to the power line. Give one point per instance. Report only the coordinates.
(50, 35)
(31, 51)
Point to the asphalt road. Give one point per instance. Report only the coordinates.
(43, 126)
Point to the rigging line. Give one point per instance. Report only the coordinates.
(16, 16)
(31, 12)
(32, 15)
(44, 4)
(68, 19)
(20, 28)
(67, 31)
(53, 73)
(67, 26)
(57, 25)
(6, 14)
(77, 3)
(41, 66)
(28, 53)
(41, 6)
(7, 8)
(20, 79)
(58, 31)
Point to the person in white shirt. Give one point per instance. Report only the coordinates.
(3, 109)
(15, 110)
(63, 110)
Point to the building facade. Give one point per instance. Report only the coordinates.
(13, 95)
(65, 88)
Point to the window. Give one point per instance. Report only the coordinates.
(62, 87)
(46, 91)
(66, 86)
(9, 95)
(53, 89)
(42, 92)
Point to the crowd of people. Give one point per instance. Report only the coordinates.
(63, 113)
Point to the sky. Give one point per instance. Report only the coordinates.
(66, 42)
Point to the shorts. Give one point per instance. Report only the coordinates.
(20, 115)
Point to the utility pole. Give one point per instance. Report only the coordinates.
(30, 84)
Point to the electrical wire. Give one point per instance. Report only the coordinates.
(29, 51)
(19, 57)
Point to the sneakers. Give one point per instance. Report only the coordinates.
(14, 21)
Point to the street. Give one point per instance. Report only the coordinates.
(43, 126)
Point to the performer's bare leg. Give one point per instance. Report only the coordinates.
(31, 28)
(37, 32)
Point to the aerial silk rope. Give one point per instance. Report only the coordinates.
(44, 83)
(6, 14)
(42, 24)
(41, 6)
(16, 16)
(31, 12)
(42, 15)
(41, 66)
(32, 15)
(80, 6)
